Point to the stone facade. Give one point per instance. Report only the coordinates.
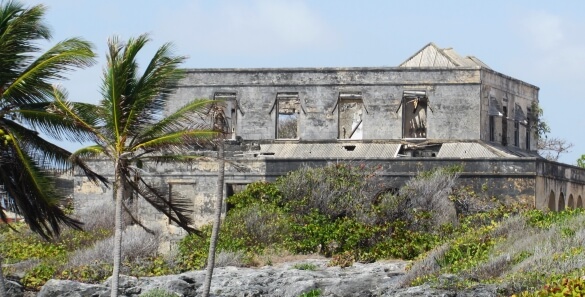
(435, 109)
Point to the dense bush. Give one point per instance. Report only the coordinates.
(341, 210)
(523, 251)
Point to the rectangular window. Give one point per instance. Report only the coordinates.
(350, 109)
(179, 192)
(528, 128)
(516, 133)
(288, 106)
(492, 127)
(230, 110)
(504, 125)
(414, 112)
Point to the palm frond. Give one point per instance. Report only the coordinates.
(185, 118)
(177, 210)
(78, 121)
(20, 28)
(177, 141)
(153, 88)
(46, 154)
(34, 82)
(33, 192)
(78, 158)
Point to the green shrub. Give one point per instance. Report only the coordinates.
(193, 250)
(35, 278)
(305, 266)
(312, 293)
(564, 287)
(545, 219)
(260, 192)
(337, 190)
(253, 228)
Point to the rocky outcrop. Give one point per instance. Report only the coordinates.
(286, 280)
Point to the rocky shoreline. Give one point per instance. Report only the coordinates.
(290, 279)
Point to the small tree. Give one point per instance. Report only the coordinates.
(26, 75)
(129, 129)
(581, 161)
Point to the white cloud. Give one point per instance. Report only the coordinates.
(248, 27)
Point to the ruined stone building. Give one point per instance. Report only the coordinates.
(435, 109)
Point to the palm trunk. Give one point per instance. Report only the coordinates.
(118, 196)
(2, 286)
(217, 220)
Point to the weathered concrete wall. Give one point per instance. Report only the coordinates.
(512, 94)
(453, 94)
(557, 183)
(196, 181)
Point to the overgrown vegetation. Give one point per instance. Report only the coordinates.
(345, 212)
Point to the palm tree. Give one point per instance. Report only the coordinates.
(129, 129)
(219, 124)
(26, 75)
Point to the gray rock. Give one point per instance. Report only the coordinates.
(380, 279)
(13, 289)
(67, 288)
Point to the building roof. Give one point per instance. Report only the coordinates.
(390, 150)
(433, 56)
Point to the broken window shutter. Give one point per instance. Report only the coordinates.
(494, 108)
(519, 115)
(349, 96)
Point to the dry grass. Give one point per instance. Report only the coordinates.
(96, 217)
(136, 244)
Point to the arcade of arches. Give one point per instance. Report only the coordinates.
(558, 202)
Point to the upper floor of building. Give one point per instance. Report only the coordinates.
(435, 95)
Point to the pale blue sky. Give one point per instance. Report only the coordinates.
(539, 42)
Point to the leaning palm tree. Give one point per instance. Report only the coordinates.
(26, 75)
(219, 124)
(129, 129)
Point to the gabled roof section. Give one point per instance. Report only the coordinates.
(433, 56)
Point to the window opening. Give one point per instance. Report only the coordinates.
(516, 133)
(351, 107)
(181, 191)
(287, 118)
(232, 189)
(492, 128)
(414, 111)
(230, 105)
(505, 126)
(528, 129)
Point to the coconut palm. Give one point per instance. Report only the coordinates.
(220, 124)
(129, 128)
(26, 75)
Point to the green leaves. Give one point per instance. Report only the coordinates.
(26, 78)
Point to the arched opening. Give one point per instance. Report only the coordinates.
(561, 202)
(571, 202)
(579, 202)
(551, 201)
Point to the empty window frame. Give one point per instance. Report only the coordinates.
(180, 193)
(414, 114)
(288, 106)
(492, 127)
(350, 115)
(230, 105)
(516, 133)
(504, 125)
(519, 118)
(528, 128)
(495, 110)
